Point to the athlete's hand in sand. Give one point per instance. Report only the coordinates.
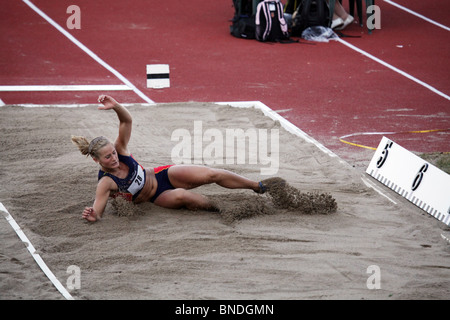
(107, 101)
(89, 214)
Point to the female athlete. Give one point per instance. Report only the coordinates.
(166, 186)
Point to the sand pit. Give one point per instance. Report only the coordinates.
(316, 241)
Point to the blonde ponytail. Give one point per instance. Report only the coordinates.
(90, 148)
(82, 144)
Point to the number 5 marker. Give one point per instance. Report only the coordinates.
(423, 184)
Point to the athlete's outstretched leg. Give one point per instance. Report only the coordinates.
(191, 176)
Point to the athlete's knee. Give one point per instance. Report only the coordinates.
(175, 198)
(190, 200)
(180, 196)
(213, 175)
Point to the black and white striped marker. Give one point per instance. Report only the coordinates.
(158, 76)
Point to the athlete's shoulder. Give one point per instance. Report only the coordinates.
(106, 183)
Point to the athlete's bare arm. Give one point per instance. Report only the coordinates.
(125, 123)
(102, 193)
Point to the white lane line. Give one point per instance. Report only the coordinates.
(407, 75)
(89, 52)
(36, 256)
(66, 88)
(417, 15)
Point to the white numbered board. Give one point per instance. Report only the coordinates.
(413, 178)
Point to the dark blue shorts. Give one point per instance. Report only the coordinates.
(162, 176)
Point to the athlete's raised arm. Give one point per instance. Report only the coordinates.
(125, 125)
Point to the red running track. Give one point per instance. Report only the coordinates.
(327, 90)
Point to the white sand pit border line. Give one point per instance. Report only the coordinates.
(290, 127)
(35, 255)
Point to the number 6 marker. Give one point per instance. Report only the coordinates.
(423, 184)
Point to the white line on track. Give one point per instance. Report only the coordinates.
(417, 15)
(88, 51)
(36, 256)
(66, 88)
(403, 73)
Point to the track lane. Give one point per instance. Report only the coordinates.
(327, 89)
